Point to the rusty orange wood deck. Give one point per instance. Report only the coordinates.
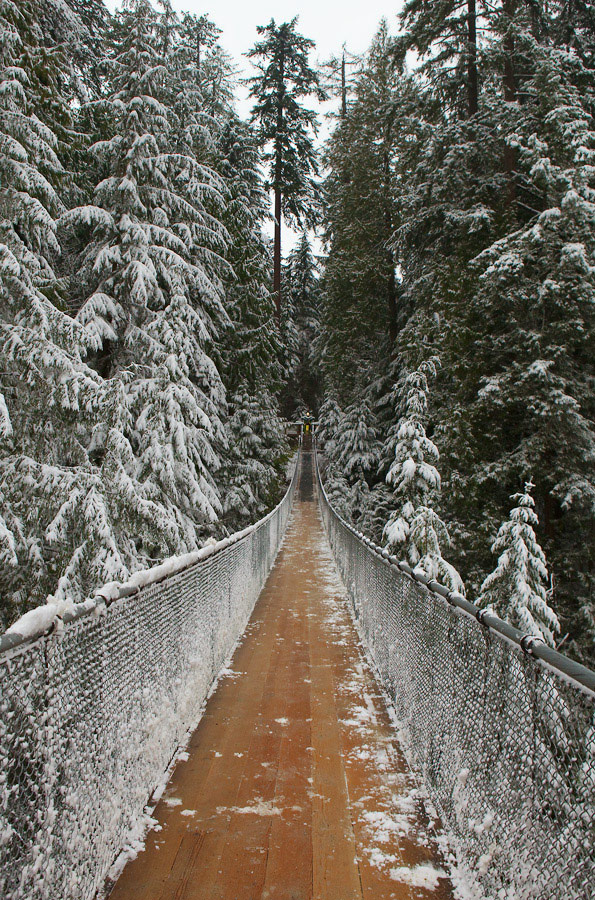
(295, 787)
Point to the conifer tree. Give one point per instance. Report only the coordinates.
(303, 382)
(286, 126)
(153, 300)
(212, 74)
(413, 473)
(414, 530)
(327, 432)
(48, 396)
(360, 285)
(517, 588)
(257, 447)
(543, 272)
(482, 229)
(203, 35)
(444, 34)
(250, 347)
(349, 439)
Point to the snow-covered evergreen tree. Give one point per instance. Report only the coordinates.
(252, 474)
(414, 531)
(302, 309)
(250, 347)
(152, 299)
(286, 127)
(517, 588)
(49, 397)
(359, 283)
(350, 447)
(413, 474)
(539, 359)
(327, 433)
(357, 446)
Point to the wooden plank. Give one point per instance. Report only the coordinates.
(283, 779)
(289, 860)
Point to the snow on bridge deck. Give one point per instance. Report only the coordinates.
(294, 787)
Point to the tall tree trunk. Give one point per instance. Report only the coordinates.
(277, 187)
(277, 255)
(343, 87)
(510, 93)
(472, 85)
(392, 303)
(391, 288)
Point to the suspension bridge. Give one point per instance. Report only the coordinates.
(291, 714)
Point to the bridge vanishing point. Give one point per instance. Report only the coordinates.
(321, 724)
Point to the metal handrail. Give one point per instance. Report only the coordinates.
(13, 640)
(581, 676)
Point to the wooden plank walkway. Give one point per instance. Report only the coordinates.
(294, 787)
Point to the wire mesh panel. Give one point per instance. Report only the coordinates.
(505, 742)
(92, 713)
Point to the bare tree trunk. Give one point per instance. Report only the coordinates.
(343, 86)
(391, 288)
(393, 329)
(277, 255)
(472, 84)
(510, 93)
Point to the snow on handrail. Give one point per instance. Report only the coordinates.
(581, 676)
(500, 727)
(97, 698)
(38, 622)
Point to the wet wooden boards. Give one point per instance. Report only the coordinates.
(295, 787)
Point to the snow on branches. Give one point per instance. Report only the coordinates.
(517, 588)
(414, 530)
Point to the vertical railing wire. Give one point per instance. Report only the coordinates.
(91, 713)
(501, 727)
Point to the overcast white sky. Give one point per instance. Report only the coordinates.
(330, 23)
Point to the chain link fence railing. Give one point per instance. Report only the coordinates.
(93, 710)
(500, 727)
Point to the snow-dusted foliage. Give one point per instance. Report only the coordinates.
(359, 281)
(356, 453)
(251, 346)
(474, 169)
(517, 588)
(140, 347)
(149, 274)
(253, 350)
(257, 446)
(328, 430)
(49, 396)
(300, 322)
(113, 416)
(348, 439)
(413, 473)
(414, 531)
(544, 271)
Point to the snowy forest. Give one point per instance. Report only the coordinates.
(435, 313)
